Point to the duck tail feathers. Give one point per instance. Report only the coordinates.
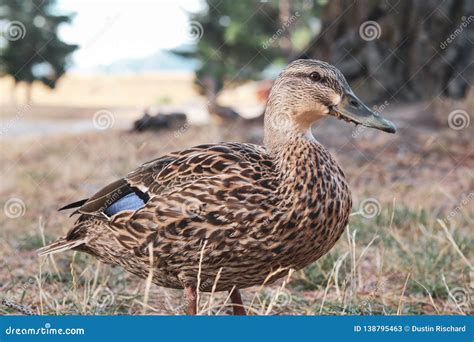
(60, 245)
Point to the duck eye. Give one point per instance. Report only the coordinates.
(315, 77)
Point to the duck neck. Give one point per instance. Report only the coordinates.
(298, 156)
(302, 168)
(285, 121)
(280, 126)
(293, 147)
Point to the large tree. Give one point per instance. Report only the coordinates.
(30, 49)
(237, 40)
(399, 50)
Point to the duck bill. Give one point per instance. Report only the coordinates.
(354, 110)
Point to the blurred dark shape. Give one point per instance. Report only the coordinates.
(31, 47)
(400, 50)
(222, 114)
(160, 121)
(219, 114)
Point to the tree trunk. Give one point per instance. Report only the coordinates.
(13, 93)
(29, 89)
(399, 50)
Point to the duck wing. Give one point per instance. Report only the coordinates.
(196, 163)
(172, 172)
(218, 193)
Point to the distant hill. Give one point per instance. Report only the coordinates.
(161, 61)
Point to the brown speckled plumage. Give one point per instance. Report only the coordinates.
(241, 209)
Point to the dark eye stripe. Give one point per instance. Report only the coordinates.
(300, 74)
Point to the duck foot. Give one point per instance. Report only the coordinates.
(237, 304)
(191, 297)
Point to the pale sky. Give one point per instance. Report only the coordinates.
(109, 30)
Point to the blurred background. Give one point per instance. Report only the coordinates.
(90, 90)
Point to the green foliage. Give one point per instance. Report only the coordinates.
(29, 45)
(239, 39)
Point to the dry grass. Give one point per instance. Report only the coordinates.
(414, 256)
(105, 90)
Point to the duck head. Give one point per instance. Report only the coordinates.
(308, 90)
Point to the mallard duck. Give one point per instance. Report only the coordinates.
(232, 215)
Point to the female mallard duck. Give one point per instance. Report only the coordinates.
(241, 210)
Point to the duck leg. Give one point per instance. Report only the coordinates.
(237, 304)
(191, 298)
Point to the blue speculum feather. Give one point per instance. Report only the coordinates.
(129, 202)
